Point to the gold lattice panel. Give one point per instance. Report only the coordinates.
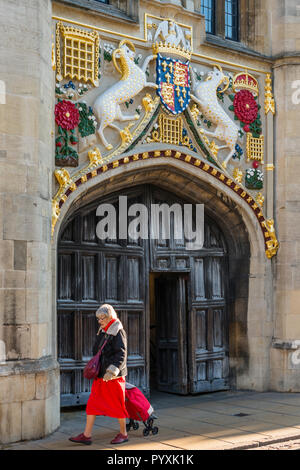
(255, 148)
(80, 54)
(170, 129)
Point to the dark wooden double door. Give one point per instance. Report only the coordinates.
(171, 301)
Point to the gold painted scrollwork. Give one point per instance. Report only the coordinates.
(126, 135)
(238, 175)
(272, 245)
(53, 61)
(64, 180)
(269, 99)
(148, 103)
(260, 199)
(195, 111)
(55, 214)
(95, 157)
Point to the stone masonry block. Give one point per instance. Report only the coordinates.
(38, 305)
(20, 255)
(20, 116)
(33, 419)
(17, 388)
(47, 384)
(18, 341)
(14, 280)
(14, 306)
(52, 413)
(292, 324)
(39, 340)
(6, 254)
(11, 172)
(10, 422)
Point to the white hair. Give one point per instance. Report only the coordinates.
(108, 311)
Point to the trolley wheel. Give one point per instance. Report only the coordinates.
(155, 430)
(136, 426)
(128, 427)
(146, 432)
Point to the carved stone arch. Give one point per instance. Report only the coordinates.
(241, 230)
(227, 189)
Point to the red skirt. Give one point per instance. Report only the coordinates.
(107, 398)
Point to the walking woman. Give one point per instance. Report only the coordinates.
(107, 396)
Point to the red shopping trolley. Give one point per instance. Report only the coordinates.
(139, 409)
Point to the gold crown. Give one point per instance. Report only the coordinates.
(167, 48)
(245, 80)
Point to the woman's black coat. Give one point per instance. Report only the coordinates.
(114, 353)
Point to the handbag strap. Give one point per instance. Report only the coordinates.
(100, 350)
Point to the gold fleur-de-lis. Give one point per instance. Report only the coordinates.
(168, 77)
(164, 65)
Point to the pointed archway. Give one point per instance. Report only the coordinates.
(225, 212)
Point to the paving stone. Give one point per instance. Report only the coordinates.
(223, 420)
(268, 406)
(26, 446)
(195, 442)
(206, 423)
(265, 429)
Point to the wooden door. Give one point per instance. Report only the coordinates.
(208, 333)
(92, 272)
(172, 374)
(207, 342)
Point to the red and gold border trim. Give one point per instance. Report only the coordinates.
(206, 167)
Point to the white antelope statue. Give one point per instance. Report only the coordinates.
(107, 105)
(205, 95)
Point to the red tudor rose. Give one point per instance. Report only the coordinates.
(66, 115)
(245, 107)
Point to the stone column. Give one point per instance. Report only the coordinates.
(29, 377)
(285, 370)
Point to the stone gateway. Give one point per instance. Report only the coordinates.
(175, 102)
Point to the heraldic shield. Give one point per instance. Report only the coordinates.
(173, 80)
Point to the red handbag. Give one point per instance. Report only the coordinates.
(92, 368)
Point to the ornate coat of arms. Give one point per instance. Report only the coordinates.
(173, 80)
(223, 123)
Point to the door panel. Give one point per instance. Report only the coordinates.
(216, 278)
(171, 355)
(89, 276)
(112, 265)
(199, 285)
(65, 286)
(133, 277)
(135, 328)
(208, 352)
(66, 330)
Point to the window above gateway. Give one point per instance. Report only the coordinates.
(231, 19)
(209, 11)
(221, 17)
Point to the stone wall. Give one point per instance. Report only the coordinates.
(286, 43)
(29, 395)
